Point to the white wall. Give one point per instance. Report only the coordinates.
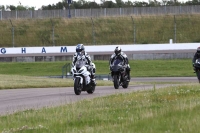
(102, 48)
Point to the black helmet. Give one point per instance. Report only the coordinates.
(118, 50)
(198, 50)
(80, 49)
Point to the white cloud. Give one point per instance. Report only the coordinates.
(30, 3)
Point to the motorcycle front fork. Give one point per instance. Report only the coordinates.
(119, 77)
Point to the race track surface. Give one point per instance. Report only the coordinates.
(14, 100)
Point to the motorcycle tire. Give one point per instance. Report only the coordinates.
(91, 90)
(198, 75)
(116, 82)
(77, 86)
(125, 84)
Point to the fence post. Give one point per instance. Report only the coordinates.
(93, 32)
(74, 12)
(0, 15)
(13, 33)
(90, 12)
(52, 32)
(31, 13)
(134, 35)
(104, 12)
(174, 29)
(16, 14)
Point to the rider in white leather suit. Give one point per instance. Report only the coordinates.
(81, 54)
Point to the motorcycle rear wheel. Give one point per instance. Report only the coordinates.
(77, 86)
(91, 90)
(125, 85)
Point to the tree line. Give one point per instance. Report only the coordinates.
(82, 4)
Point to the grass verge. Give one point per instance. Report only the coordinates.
(16, 81)
(139, 68)
(174, 109)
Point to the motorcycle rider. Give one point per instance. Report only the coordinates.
(81, 54)
(196, 56)
(119, 54)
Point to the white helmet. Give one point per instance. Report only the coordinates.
(118, 50)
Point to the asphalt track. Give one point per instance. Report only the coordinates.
(15, 100)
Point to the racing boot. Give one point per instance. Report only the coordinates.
(128, 76)
(93, 82)
(88, 80)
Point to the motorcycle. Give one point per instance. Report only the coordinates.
(80, 73)
(119, 74)
(197, 67)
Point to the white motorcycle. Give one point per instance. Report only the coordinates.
(81, 78)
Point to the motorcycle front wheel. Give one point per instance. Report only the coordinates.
(77, 86)
(116, 81)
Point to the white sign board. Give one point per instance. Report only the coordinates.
(102, 48)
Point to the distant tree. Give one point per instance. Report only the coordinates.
(128, 4)
(31, 8)
(109, 4)
(11, 7)
(193, 2)
(93, 5)
(19, 7)
(119, 3)
(140, 4)
(173, 3)
(164, 2)
(83, 4)
(76, 5)
(59, 5)
(2, 7)
(154, 3)
(49, 7)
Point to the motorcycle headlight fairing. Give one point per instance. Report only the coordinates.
(81, 70)
(74, 70)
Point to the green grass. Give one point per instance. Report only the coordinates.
(174, 109)
(18, 81)
(107, 30)
(33, 75)
(139, 68)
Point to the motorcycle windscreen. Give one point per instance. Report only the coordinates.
(117, 62)
(80, 63)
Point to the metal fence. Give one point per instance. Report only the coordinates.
(101, 12)
(100, 31)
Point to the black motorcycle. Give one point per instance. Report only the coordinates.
(197, 66)
(119, 74)
(79, 71)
